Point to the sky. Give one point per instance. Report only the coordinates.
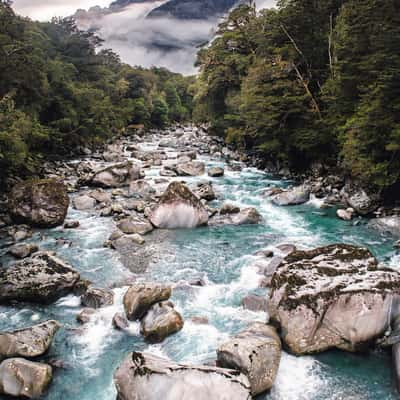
(138, 41)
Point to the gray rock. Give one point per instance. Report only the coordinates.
(205, 191)
(247, 216)
(97, 297)
(291, 197)
(71, 224)
(140, 297)
(160, 321)
(117, 175)
(331, 297)
(228, 208)
(216, 172)
(42, 278)
(135, 224)
(345, 215)
(23, 250)
(191, 168)
(20, 232)
(148, 377)
(41, 203)
(85, 315)
(101, 196)
(23, 378)
(28, 342)
(358, 199)
(83, 202)
(255, 352)
(178, 207)
(389, 225)
(120, 322)
(141, 190)
(254, 302)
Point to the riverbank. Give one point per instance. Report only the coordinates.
(212, 269)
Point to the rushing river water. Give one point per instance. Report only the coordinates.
(221, 256)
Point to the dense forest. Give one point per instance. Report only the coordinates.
(59, 92)
(311, 82)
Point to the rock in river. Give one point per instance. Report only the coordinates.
(389, 225)
(42, 203)
(23, 250)
(135, 224)
(178, 208)
(256, 352)
(191, 168)
(331, 297)
(140, 297)
(161, 321)
(291, 197)
(42, 278)
(117, 175)
(28, 342)
(216, 172)
(97, 297)
(23, 378)
(144, 376)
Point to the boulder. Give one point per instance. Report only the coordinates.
(191, 168)
(358, 199)
(160, 321)
(97, 297)
(216, 172)
(140, 297)
(28, 342)
(146, 376)
(40, 203)
(178, 207)
(135, 224)
(83, 202)
(42, 278)
(23, 250)
(389, 225)
(205, 191)
(117, 175)
(23, 378)
(331, 297)
(291, 197)
(255, 352)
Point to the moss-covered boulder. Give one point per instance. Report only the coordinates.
(39, 202)
(332, 297)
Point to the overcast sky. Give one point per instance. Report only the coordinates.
(45, 9)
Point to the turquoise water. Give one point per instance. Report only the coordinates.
(221, 256)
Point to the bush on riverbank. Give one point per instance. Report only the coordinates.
(312, 81)
(58, 92)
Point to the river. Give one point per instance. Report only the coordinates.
(222, 257)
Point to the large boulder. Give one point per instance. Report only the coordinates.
(358, 199)
(256, 352)
(42, 278)
(389, 225)
(41, 203)
(190, 168)
(161, 321)
(331, 297)
(144, 376)
(28, 342)
(178, 208)
(291, 197)
(117, 175)
(23, 378)
(140, 297)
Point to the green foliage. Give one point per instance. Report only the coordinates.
(59, 92)
(309, 81)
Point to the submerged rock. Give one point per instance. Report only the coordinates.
(160, 321)
(389, 225)
(28, 342)
(97, 297)
(331, 297)
(256, 352)
(41, 202)
(23, 250)
(148, 377)
(178, 208)
(117, 175)
(291, 197)
(140, 297)
(43, 278)
(23, 378)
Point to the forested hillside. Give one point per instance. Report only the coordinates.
(313, 81)
(58, 92)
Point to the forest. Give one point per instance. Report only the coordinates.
(309, 83)
(60, 92)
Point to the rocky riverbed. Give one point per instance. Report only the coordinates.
(166, 255)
